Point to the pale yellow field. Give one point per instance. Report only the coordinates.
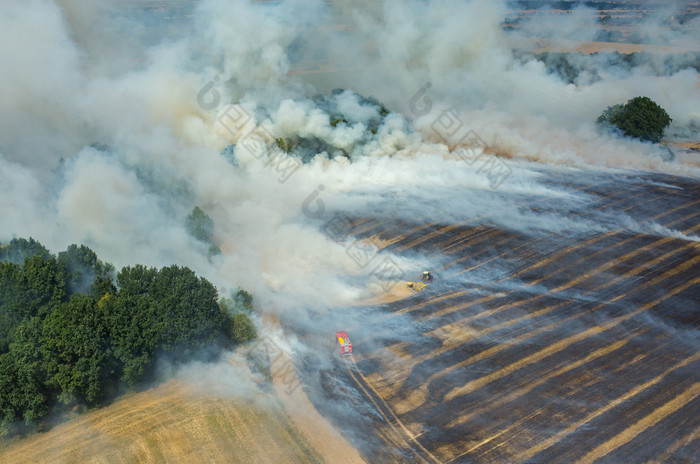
(170, 423)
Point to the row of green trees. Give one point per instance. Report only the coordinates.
(73, 331)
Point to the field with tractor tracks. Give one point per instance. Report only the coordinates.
(571, 337)
(535, 347)
(529, 346)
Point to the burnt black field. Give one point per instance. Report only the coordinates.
(579, 348)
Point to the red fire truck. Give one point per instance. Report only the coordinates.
(345, 345)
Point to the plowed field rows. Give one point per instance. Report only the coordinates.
(534, 346)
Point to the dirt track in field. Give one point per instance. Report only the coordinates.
(313, 427)
(538, 347)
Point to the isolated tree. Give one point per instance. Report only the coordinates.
(200, 225)
(640, 117)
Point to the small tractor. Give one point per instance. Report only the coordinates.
(425, 279)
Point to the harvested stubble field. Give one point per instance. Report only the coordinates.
(529, 346)
(537, 347)
(170, 423)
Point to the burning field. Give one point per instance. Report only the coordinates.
(336, 151)
(573, 349)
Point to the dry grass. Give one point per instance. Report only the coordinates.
(170, 423)
(538, 45)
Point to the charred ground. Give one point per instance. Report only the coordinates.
(535, 346)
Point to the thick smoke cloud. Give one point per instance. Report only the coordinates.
(133, 106)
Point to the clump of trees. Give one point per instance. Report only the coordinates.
(640, 118)
(241, 328)
(73, 331)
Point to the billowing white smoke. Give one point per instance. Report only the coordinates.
(141, 126)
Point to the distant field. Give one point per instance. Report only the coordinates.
(536, 45)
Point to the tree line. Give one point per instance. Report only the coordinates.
(73, 331)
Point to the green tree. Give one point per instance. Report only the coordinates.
(20, 248)
(81, 268)
(77, 351)
(13, 303)
(10, 403)
(187, 310)
(241, 301)
(607, 115)
(101, 287)
(68, 334)
(132, 322)
(166, 311)
(29, 396)
(640, 117)
(133, 334)
(200, 225)
(284, 144)
(244, 300)
(43, 286)
(242, 328)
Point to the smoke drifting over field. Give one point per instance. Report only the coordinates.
(111, 130)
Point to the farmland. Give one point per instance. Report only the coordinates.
(171, 423)
(537, 346)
